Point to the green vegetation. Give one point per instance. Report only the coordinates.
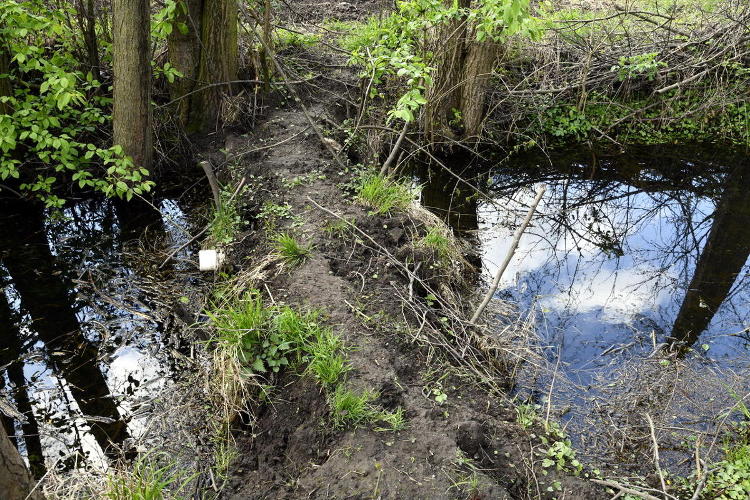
(286, 38)
(226, 221)
(437, 241)
(148, 479)
(257, 340)
(273, 213)
(52, 113)
(383, 194)
(290, 250)
(351, 409)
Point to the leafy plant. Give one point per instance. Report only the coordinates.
(647, 65)
(51, 111)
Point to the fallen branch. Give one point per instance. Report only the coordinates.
(509, 255)
(624, 489)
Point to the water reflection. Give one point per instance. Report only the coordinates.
(721, 261)
(626, 252)
(91, 328)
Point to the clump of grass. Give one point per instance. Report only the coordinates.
(290, 250)
(338, 228)
(148, 480)
(383, 194)
(437, 241)
(327, 363)
(351, 409)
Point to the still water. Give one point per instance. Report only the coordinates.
(626, 255)
(92, 326)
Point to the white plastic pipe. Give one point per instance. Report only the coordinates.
(210, 260)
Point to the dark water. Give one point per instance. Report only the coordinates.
(627, 255)
(92, 328)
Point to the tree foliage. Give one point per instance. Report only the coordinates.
(53, 113)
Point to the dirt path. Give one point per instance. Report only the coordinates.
(468, 446)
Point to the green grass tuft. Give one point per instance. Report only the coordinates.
(148, 480)
(290, 249)
(383, 194)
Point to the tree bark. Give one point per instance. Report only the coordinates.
(131, 116)
(184, 55)
(87, 20)
(15, 480)
(217, 63)
(456, 100)
(5, 86)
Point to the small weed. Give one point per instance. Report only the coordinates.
(285, 39)
(226, 221)
(394, 421)
(526, 414)
(438, 242)
(272, 213)
(350, 408)
(148, 480)
(289, 183)
(290, 249)
(339, 228)
(383, 195)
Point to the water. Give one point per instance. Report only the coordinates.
(94, 328)
(605, 269)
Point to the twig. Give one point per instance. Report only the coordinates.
(206, 166)
(509, 255)
(392, 156)
(627, 490)
(656, 452)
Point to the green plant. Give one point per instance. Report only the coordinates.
(285, 39)
(383, 194)
(339, 228)
(148, 479)
(51, 113)
(290, 250)
(393, 421)
(349, 408)
(630, 67)
(226, 221)
(437, 241)
(730, 478)
(271, 213)
(526, 414)
(560, 452)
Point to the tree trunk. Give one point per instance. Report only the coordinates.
(5, 86)
(475, 81)
(15, 480)
(217, 63)
(444, 96)
(456, 100)
(87, 20)
(184, 55)
(131, 116)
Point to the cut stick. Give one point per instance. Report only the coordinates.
(509, 255)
